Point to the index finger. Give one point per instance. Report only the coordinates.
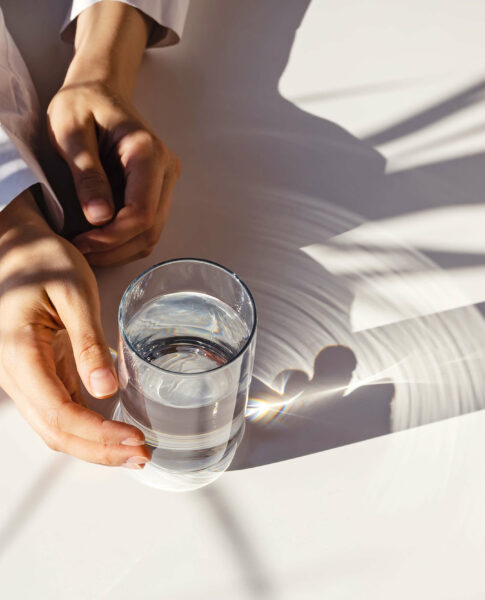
(143, 160)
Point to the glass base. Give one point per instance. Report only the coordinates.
(160, 478)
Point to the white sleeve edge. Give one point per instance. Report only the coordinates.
(168, 15)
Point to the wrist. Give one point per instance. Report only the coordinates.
(86, 70)
(110, 40)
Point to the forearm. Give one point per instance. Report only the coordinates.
(110, 40)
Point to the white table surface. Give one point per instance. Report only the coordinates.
(341, 172)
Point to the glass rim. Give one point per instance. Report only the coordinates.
(189, 260)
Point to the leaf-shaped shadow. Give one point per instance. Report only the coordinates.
(314, 414)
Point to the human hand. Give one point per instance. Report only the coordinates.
(50, 331)
(92, 123)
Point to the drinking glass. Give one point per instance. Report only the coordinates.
(187, 331)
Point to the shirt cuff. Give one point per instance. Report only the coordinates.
(168, 16)
(19, 170)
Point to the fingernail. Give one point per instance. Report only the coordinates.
(135, 462)
(103, 383)
(133, 442)
(98, 210)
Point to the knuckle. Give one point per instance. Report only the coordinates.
(52, 437)
(91, 179)
(145, 219)
(150, 148)
(90, 350)
(145, 144)
(151, 237)
(66, 133)
(65, 260)
(49, 245)
(52, 444)
(59, 127)
(105, 455)
(52, 423)
(163, 153)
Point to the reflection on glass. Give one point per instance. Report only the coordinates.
(186, 353)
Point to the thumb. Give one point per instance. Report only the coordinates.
(79, 311)
(79, 148)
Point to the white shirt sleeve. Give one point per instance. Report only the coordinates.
(168, 16)
(19, 114)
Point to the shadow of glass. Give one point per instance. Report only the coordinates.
(312, 415)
